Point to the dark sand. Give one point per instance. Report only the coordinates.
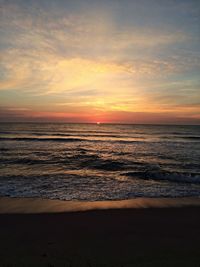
(111, 237)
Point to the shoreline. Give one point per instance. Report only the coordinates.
(12, 205)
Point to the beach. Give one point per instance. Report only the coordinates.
(136, 233)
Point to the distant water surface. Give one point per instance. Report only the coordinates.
(99, 162)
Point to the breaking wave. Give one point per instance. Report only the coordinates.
(177, 177)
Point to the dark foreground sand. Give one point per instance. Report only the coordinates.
(161, 237)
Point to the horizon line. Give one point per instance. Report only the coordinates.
(99, 124)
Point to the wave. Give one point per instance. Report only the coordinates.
(41, 139)
(3, 149)
(52, 132)
(177, 177)
(27, 161)
(35, 139)
(86, 139)
(191, 137)
(105, 165)
(95, 134)
(181, 137)
(78, 161)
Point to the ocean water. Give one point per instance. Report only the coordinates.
(98, 162)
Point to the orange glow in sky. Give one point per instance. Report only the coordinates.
(117, 62)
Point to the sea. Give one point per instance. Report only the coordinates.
(91, 162)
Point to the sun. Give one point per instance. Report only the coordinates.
(98, 123)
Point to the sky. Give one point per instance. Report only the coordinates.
(108, 61)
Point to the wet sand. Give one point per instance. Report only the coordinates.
(37, 205)
(44, 233)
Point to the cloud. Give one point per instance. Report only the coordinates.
(46, 73)
(87, 62)
(80, 33)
